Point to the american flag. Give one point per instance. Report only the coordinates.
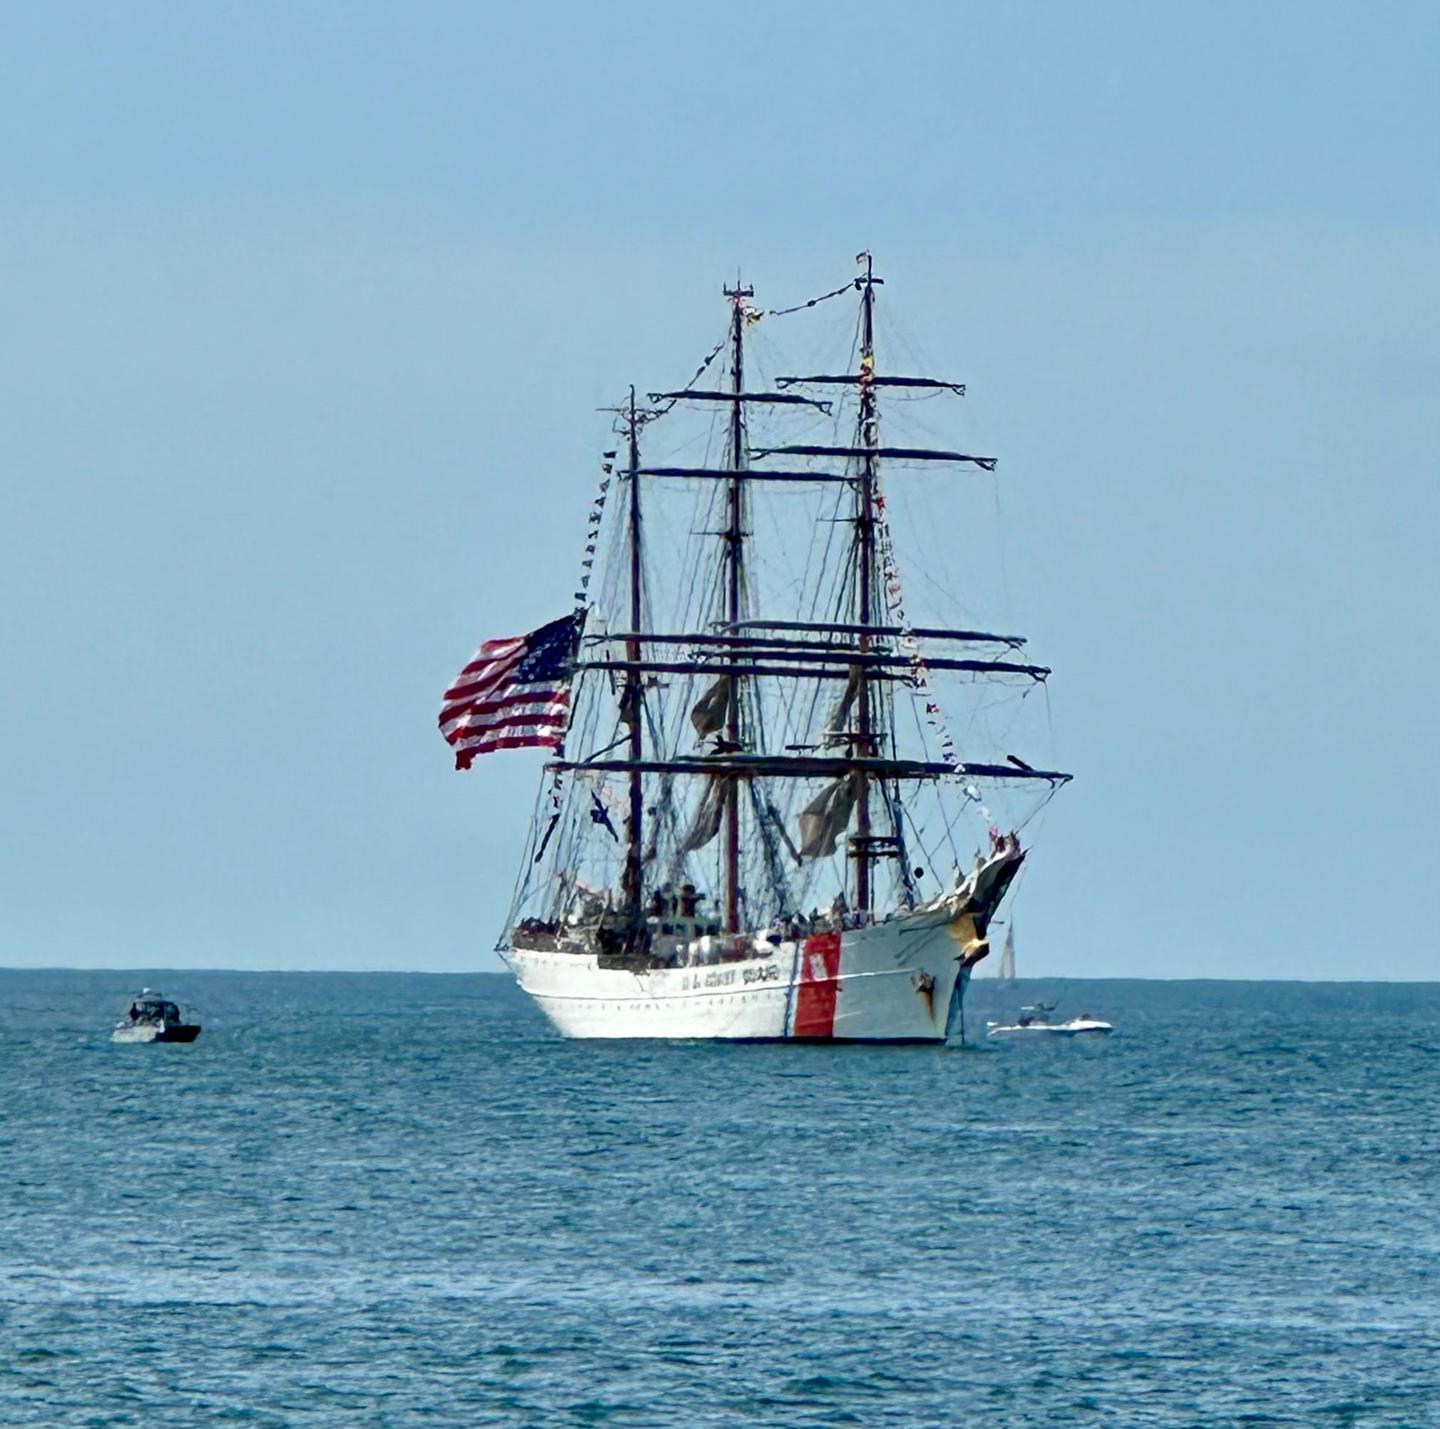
(513, 692)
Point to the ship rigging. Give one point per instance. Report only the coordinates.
(731, 733)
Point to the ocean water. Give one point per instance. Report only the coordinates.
(392, 1200)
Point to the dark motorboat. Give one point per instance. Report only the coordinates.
(152, 1018)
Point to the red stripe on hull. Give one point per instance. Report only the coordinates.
(819, 984)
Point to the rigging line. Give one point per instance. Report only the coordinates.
(935, 851)
(840, 594)
(896, 335)
(831, 530)
(522, 879)
(895, 601)
(1000, 544)
(774, 870)
(696, 592)
(699, 373)
(664, 819)
(819, 569)
(697, 561)
(924, 847)
(757, 723)
(1040, 808)
(901, 880)
(700, 591)
(614, 744)
(950, 820)
(945, 817)
(823, 298)
(1049, 720)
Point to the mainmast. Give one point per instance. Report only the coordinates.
(865, 742)
(734, 570)
(632, 888)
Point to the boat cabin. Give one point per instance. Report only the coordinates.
(675, 914)
(151, 1007)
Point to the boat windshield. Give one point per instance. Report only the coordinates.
(146, 1009)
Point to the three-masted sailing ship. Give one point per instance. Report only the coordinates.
(752, 783)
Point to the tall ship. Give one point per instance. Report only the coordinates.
(755, 822)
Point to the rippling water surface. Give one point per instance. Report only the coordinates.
(365, 1199)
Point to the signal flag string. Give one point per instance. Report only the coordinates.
(910, 644)
(582, 609)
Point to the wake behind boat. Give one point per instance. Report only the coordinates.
(153, 1018)
(747, 724)
(1034, 1021)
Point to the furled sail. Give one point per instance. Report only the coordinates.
(711, 708)
(706, 823)
(825, 818)
(839, 718)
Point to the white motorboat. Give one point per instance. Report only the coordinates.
(153, 1018)
(1034, 1020)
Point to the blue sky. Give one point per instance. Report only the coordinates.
(307, 309)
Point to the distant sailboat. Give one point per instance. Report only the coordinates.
(1007, 955)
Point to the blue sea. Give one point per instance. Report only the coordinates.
(393, 1200)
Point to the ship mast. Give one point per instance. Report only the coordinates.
(633, 890)
(862, 846)
(734, 569)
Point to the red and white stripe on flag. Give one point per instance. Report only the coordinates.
(513, 693)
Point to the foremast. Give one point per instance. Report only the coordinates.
(862, 849)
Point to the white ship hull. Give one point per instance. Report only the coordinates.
(901, 980)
